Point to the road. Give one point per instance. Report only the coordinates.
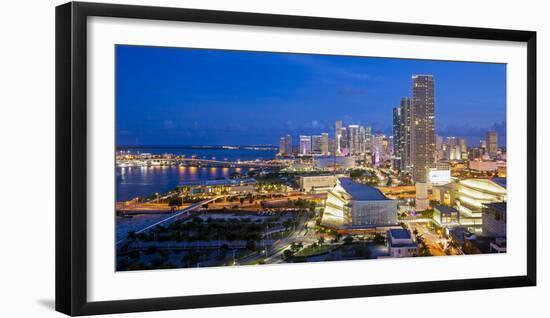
(431, 240)
(274, 253)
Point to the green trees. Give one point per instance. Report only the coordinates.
(364, 176)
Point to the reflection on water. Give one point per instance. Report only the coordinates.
(143, 181)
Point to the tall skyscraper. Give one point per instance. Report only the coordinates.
(453, 148)
(463, 145)
(288, 145)
(305, 145)
(362, 148)
(344, 140)
(282, 146)
(463, 148)
(338, 137)
(354, 139)
(402, 137)
(285, 145)
(324, 144)
(381, 149)
(423, 134)
(406, 116)
(316, 142)
(368, 140)
(492, 144)
(398, 142)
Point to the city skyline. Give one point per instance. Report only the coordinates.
(289, 81)
(363, 162)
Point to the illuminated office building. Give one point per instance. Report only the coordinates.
(354, 139)
(492, 144)
(316, 143)
(305, 145)
(423, 135)
(281, 146)
(398, 142)
(285, 145)
(324, 144)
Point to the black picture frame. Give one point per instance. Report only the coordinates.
(71, 157)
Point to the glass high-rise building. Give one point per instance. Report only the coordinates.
(492, 144)
(282, 146)
(305, 145)
(285, 145)
(288, 145)
(354, 138)
(398, 141)
(324, 144)
(368, 139)
(402, 139)
(316, 144)
(344, 140)
(423, 135)
(423, 129)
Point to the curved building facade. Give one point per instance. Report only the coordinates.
(470, 195)
(351, 204)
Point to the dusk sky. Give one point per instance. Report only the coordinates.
(175, 96)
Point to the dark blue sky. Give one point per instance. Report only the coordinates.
(175, 96)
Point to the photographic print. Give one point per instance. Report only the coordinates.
(234, 158)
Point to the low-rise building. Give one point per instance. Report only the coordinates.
(334, 163)
(439, 174)
(317, 183)
(446, 215)
(483, 166)
(401, 243)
